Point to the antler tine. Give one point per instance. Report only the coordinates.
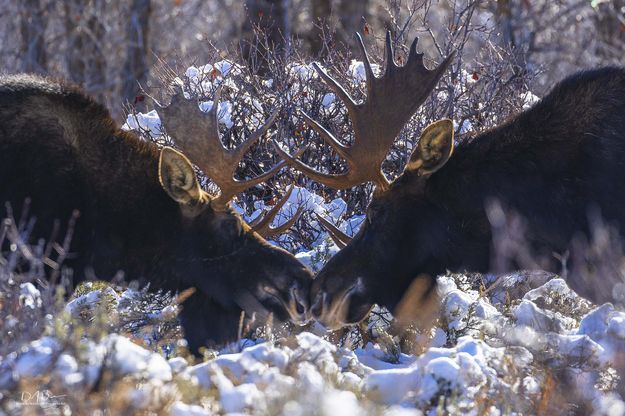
(240, 186)
(338, 237)
(328, 137)
(263, 220)
(199, 140)
(413, 54)
(339, 181)
(281, 229)
(336, 87)
(237, 186)
(262, 224)
(391, 101)
(390, 53)
(367, 63)
(254, 137)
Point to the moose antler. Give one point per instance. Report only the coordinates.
(197, 134)
(391, 101)
(338, 237)
(262, 223)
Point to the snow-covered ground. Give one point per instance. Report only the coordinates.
(528, 343)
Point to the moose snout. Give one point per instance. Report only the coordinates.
(317, 307)
(334, 307)
(326, 301)
(298, 306)
(295, 295)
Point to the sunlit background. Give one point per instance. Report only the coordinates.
(112, 47)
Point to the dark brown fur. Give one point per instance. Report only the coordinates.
(551, 164)
(62, 150)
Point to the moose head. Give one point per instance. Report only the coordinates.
(398, 240)
(254, 275)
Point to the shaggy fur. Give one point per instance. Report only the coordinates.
(552, 165)
(62, 150)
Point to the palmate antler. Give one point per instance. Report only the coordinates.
(391, 101)
(197, 134)
(262, 223)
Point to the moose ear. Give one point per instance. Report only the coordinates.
(434, 149)
(177, 177)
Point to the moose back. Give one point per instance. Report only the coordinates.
(142, 210)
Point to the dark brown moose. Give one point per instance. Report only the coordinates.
(142, 209)
(551, 165)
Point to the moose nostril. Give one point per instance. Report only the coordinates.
(299, 307)
(300, 302)
(317, 306)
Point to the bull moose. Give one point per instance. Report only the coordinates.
(550, 164)
(142, 209)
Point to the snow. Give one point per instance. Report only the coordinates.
(375, 358)
(238, 398)
(390, 386)
(303, 72)
(501, 343)
(339, 403)
(444, 369)
(328, 100)
(484, 310)
(527, 313)
(177, 364)
(149, 122)
(129, 358)
(609, 405)
(167, 313)
(30, 296)
(616, 326)
(529, 100)
(401, 411)
(314, 373)
(606, 326)
(124, 357)
(224, 111)
(225, 67)
(37, 358)
(357, 70)
(456, 308)
(91, 299)
(550, 288)
(466, 127)
(181, 409)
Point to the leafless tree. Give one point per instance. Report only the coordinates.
(84, 55)
(33, 24)
(341, 18)
(136, 65)
(610, 24)
(270, 19)
(321, 10)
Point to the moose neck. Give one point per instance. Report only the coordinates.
(141, 216)
(539, 165)
(129, 215)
